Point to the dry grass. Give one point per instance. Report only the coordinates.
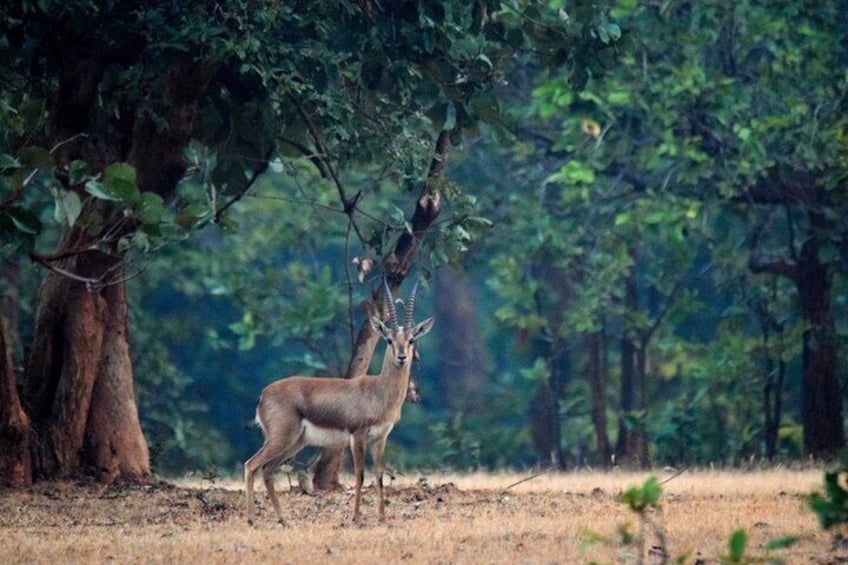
(556, 518)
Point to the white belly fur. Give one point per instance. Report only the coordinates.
(328, 437)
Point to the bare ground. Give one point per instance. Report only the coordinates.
(560, 518)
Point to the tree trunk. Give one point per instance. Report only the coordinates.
(631, 445)
(774, 373)
(115, 445)
(78, 387)
(10, 275)
(596, 373)
(545, 426)
(638, 448)
(821, 393)
(15, 460)
(821, 390)
(545, 414)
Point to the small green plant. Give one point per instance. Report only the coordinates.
(643, 501)
(737, 546)
(640, 500)
(831, 507)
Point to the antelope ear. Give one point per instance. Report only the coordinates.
(423, 328)
(379, 327)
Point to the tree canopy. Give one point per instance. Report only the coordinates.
(626, 216)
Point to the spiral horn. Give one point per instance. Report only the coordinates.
(390, 301)
(410, 305)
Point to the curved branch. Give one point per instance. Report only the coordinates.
(398, 263)
(247, 186)
(321, 160)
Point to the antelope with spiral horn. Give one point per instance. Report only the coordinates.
(329, 412)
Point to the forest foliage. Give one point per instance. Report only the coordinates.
(637, 201)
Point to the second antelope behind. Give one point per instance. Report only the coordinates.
(330, 412)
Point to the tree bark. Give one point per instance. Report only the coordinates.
(115, 444)
(78, 387)
(631, 446)
(596, 373)
(15, 430)
(545, 427)
(821, 393)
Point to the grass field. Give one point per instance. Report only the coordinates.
(440, 519)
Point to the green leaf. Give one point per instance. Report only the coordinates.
(77, 171)
(24, 220)
(641, 498)
(656, 217)
(450, 117)
(736, 545)
(35, 157)
(781, 543)
(574, 172)
(151, 208)
(8, 162)
(68, 207)
(619, 98)
(120, 181)
(98, 190)
(623, 218)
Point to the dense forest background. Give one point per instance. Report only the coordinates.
(640, 258)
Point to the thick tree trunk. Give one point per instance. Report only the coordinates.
(821, 388)
(115, 445)
(78, 387)
(15, 431)
(821, 391)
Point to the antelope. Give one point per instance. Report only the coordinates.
(329, 412)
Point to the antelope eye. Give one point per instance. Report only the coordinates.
(411, 341)
(389, 340)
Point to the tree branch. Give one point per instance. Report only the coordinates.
(91, 284)
(780, 185)
(247, 186)
(322, 161)
(398, 263)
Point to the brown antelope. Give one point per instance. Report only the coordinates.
(329, 412)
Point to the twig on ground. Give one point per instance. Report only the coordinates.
(674, 476)
(524, 480)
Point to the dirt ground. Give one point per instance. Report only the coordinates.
(563, 518)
